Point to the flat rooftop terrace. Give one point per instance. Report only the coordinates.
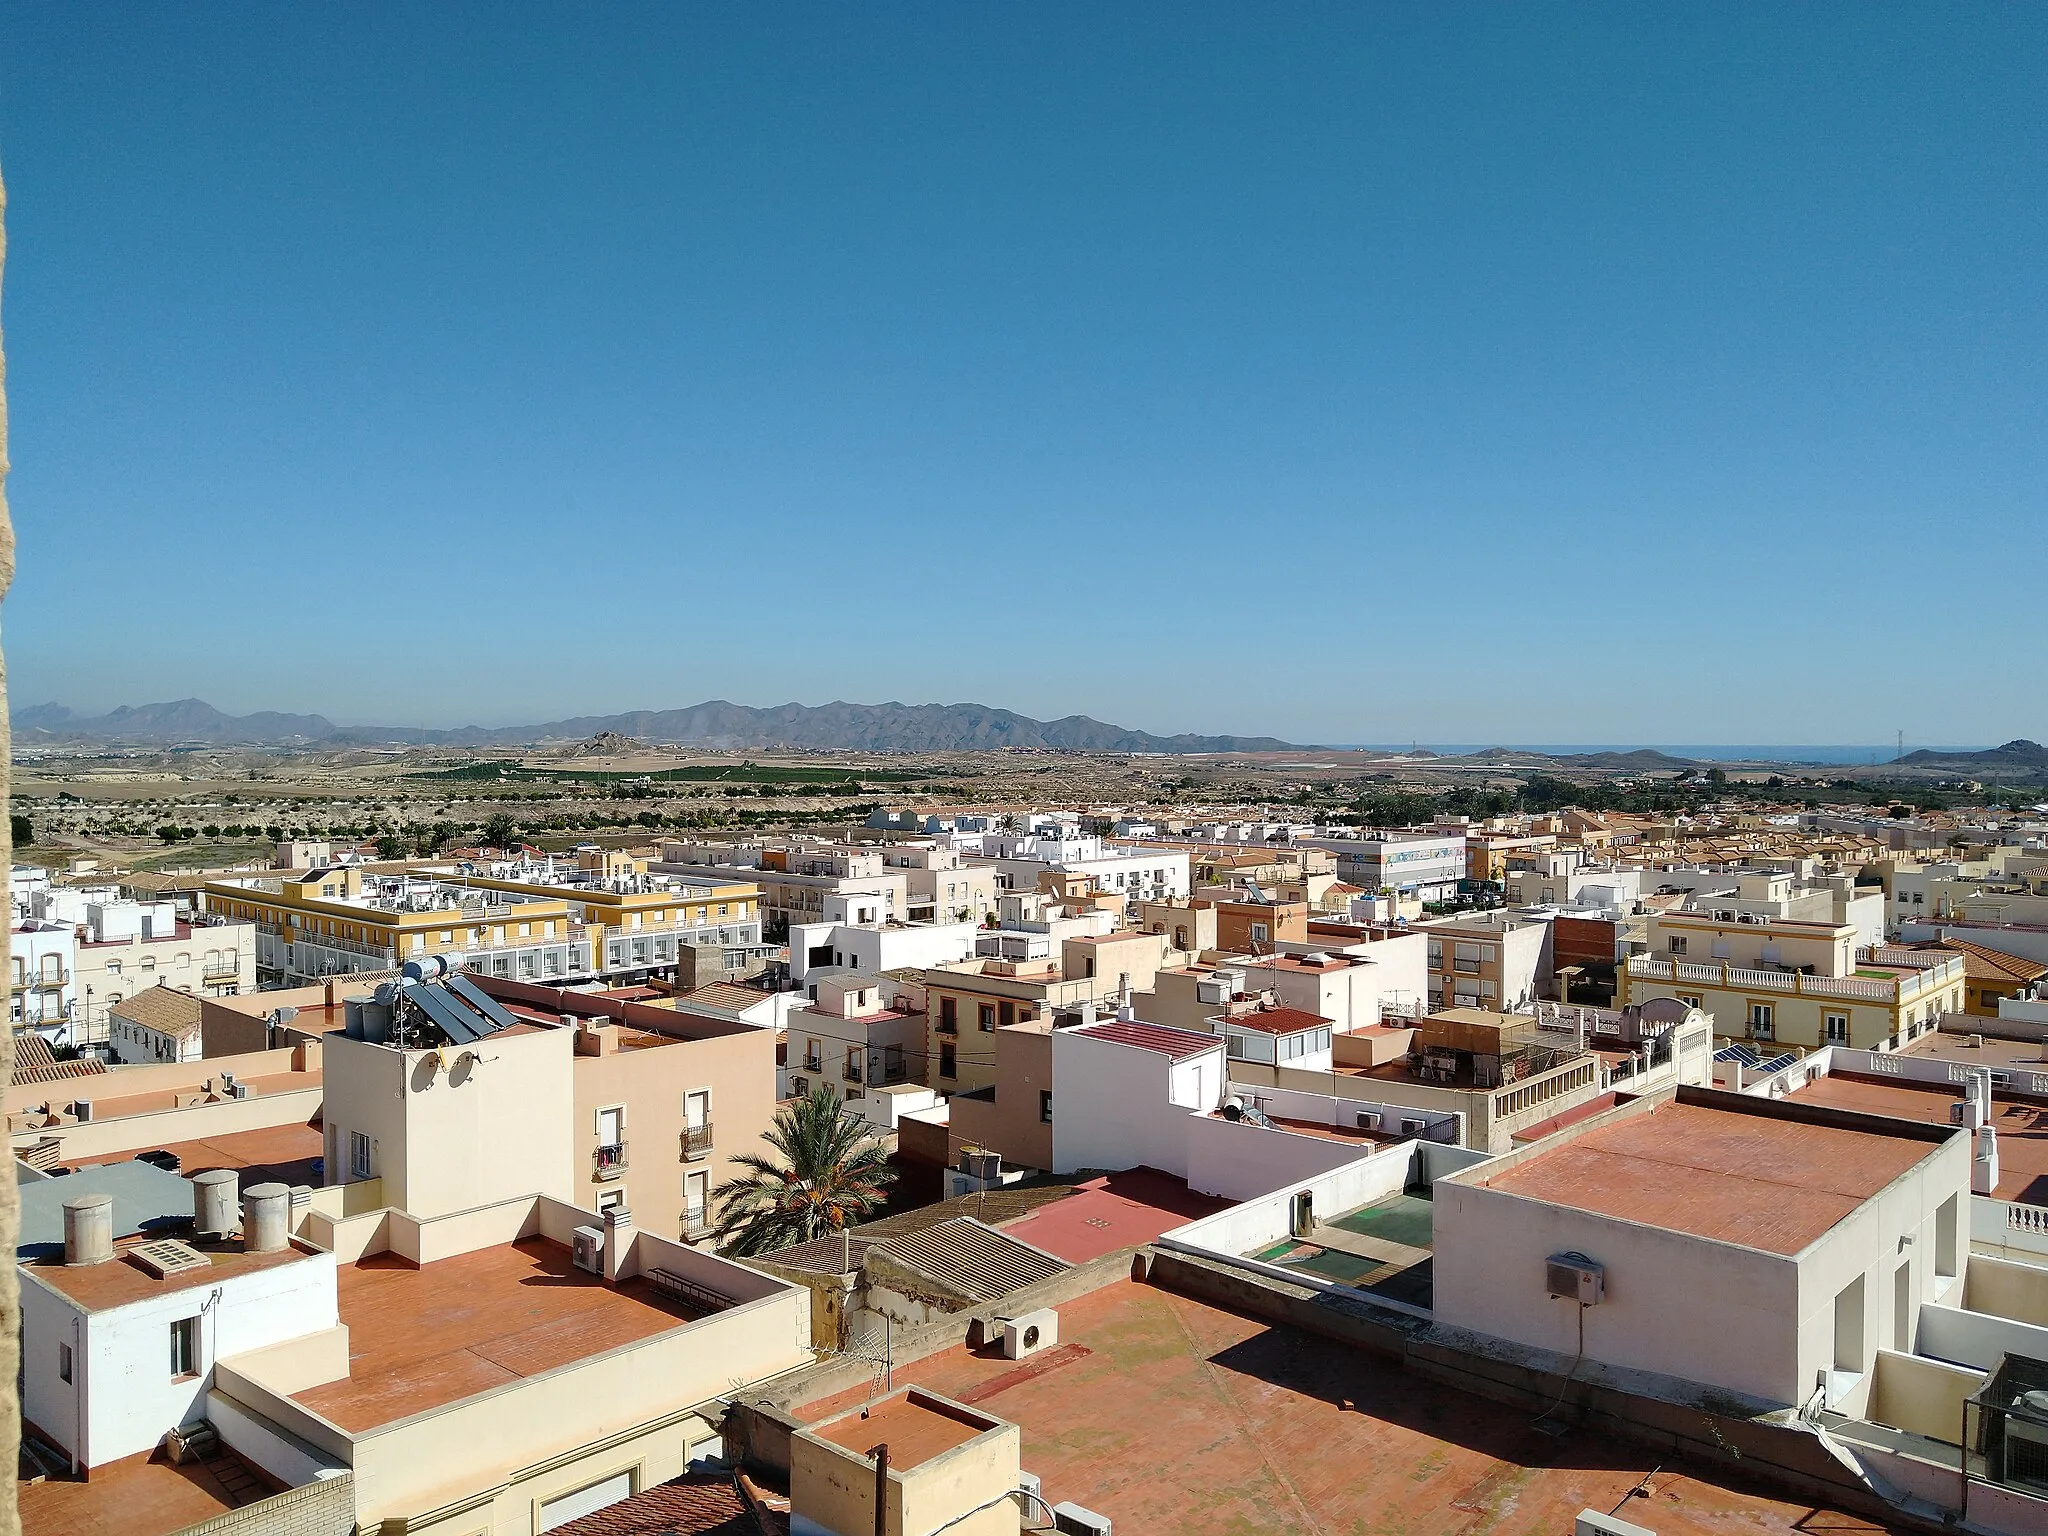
(1942, 1045)
(1118, 1210)
(1724, 1175)
(2022, 1128)
(421, 1338)
(276, 1154)
(1383, 1249)
(1169, 1415)
(915, 1432)
(140, 1496)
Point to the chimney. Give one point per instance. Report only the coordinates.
(267, 1218)
(618, 1236)
(1984, 1161)
(215, 1203)
(88, 1229)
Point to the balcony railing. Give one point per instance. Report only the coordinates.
(851, 1072)
(609, 1161)
(696, 1226)
(696, 1142)
(813, 1064)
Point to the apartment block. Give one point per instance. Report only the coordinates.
(1794, 983)
(599, 918)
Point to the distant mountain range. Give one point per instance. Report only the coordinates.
(888, 727)
(2020, 756)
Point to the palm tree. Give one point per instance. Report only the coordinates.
(831, 1174)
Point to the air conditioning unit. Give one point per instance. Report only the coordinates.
(1368, 1119)
(1072, 1520)
(1027, 1482)
(588, 1248)
(1030, 1333)
(238, 1090)
(1411, 1126)
(1574, 1277)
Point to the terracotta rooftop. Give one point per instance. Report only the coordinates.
(1277, 1021)
(421, 1338)
(1169, 1415)
(1753, 1180)
(690, 1506)
(35, 1062)
(99, 1287)
(1179, 1044)
(141, 1496)
(1981, 964)
(915, 1428)
(283, 1154)
(1118, 1210)
(2022, 1128)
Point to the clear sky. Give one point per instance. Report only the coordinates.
(1348, 373)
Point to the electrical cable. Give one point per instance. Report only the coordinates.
(1568, 1375)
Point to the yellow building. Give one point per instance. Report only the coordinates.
(1794, 983)
(599, 918)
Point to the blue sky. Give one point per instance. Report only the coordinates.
(1463, 373)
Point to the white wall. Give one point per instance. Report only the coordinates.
(1237, 1159)
(130, 1397)
(1113, 1105)
(1704, 1311)
(1260, 1220)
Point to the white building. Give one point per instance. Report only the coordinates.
(118, 1350)
(44, 994)
(1755, 1245)
(1425, 865)
(1138, 872)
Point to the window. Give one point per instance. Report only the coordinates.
(1760, 1020)
(1837, 1028)
(1260, 933)
(1677, 942)
(1045, 1105)
(63, 1362)
(1947, 1257)
(1009, 1013)
(696, 1202)
(185, 1347)
(988, 1016)
(358, 1154)
(948, 1060)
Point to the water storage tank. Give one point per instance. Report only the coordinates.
(216, 1209)
(88, 1229)
(267, 1218)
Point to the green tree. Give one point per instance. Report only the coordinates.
(830, 1173)
(390, 845)
(24, 830)
(499, 829)
(274, 832)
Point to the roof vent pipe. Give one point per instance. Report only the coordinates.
(215, 1203)
(88, 1229)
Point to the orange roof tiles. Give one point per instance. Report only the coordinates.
(1753, 1180)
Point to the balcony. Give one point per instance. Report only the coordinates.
(223, 972)
(851, 1072)
(813, 1064)
(696, 1142)
(696, 1226)
(951, 1031)
(609, 1162)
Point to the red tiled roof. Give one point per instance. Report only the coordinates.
(1176, 1043)
(35, 1062)
(689, 1506)
(1277, 1021)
